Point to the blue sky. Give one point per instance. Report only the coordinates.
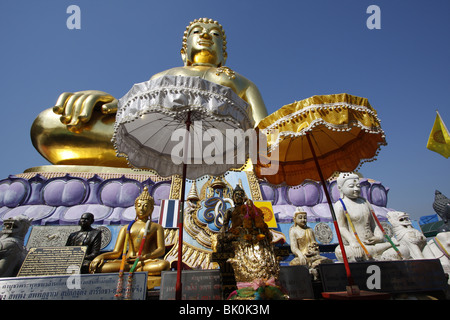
(291, 49)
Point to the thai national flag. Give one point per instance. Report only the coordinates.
(168, 217)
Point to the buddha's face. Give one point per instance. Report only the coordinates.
(351, 188)
(204, 45)
(301, 220)
(143, 208)
(239, 197)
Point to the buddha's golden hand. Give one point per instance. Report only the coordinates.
(95, 264)
(132, 259)
(76, 108)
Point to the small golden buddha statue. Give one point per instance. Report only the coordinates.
(79, 128)
(152, 249)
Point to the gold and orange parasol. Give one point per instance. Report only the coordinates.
(344, 130)
(315, 137)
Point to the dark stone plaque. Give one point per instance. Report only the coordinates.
(196, 285)
(52, 261)
(56, 236)
(386, 276)
(296, 280)
(226, 272)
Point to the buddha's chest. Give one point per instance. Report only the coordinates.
(359, 212)
(222, 75)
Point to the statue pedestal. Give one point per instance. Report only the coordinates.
(153, 281)
(361, 295)
(196, 285)
(226, 272)
(375, 278)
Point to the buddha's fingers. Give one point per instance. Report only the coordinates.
(69, 107)
(111, 107)
(61, 102)
(86, 108)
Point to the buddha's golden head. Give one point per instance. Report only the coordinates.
(300, 217)
(144, 204)
(204, 43)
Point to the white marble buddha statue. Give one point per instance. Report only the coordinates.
(363, 239)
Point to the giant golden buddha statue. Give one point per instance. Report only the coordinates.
(79, 128)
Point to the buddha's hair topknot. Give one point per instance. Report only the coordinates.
(145, 196)
(344, 176)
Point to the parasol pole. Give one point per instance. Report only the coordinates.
(352, 287)
(178, 287)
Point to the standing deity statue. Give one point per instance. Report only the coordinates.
(229, 232)
(83, 121)
(246, 235)
(363, 239)
(304, 245)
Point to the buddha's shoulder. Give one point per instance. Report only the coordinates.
(156, 226)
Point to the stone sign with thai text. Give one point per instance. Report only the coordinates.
(52, 261)
(196, 285)
(71, 287)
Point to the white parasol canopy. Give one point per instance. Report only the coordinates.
(155, 115)
(151, 119)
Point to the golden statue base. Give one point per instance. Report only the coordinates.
(153, 281)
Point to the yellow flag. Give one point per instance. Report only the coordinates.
(439, 140)
(267, 210)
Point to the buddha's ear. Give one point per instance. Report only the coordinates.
(224, 60)
(184, 57)
(341, 195)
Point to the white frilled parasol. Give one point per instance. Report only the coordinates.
(154, 117)
(151, 120)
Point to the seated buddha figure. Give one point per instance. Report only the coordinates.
(152, 248)
(83, 121)
(363, 239)
(304, 245)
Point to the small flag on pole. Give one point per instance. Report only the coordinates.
(267, 210)
(169, 211)
(439, 140)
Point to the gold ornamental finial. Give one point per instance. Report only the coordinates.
(193, 195)
(218, 183)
